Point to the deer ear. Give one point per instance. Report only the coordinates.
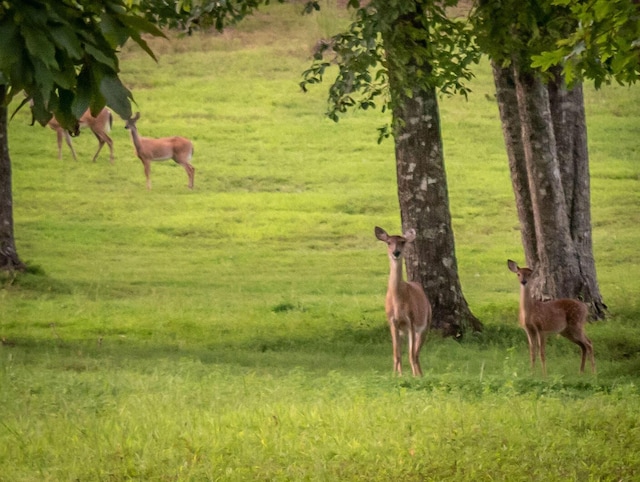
(409, 235)
(513, 266)
(381, 234)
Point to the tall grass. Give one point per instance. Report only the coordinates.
(237, 332)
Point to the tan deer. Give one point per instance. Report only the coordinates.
(177, 148)
(539, 318)
(407, 307)
(99, 125)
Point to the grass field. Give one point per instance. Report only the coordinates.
(237, 331)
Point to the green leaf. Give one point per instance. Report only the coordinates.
(65, 38)
(107, 59)
(11, 44)
(117, 95)
(39, 46)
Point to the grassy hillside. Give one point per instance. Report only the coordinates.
(237, 331)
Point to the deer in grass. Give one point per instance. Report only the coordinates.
(177, 148)
(407, 307)
(100, 125)
(566, 317)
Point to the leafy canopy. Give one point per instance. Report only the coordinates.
(603, 44)
(392, 50)
(63, 55)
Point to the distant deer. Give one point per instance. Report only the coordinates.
(539, 318)
(177, 148)
(99, 125)
(407, 307)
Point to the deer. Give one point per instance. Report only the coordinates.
(180, 149)
(407, 307)
(100, 125)
(564, 316)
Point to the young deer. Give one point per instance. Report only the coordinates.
(407, 307)
(99, 125)
(538, 318)
(177, 148)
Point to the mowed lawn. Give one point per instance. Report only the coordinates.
(237, 331)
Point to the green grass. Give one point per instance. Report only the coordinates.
(237, 331)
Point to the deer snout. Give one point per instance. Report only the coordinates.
(396, 254)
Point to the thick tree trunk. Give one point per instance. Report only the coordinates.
(424, 206)
(570, 128)
(558, 270)
(9, 260)
(512, 132)
(550, 175)
(422, 182)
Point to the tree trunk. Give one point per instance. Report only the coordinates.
(9, 260)
(422, 181)
(570, 128)
(424, 205)
(557, 261)
(512, 132)
(550, 174)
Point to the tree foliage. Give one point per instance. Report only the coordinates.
(602, 44)
(63, 54)
(436, 52)
(190, 15)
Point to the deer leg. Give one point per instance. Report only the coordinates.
(69, 143)
(190, 172)
(147, 172)
(395, 339)
(109, 142)
(531, 338)
(414, 347)
(100, 144)
(59, 138)
(586, 347)
(543, 359)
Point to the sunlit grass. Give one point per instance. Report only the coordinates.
(237, 331)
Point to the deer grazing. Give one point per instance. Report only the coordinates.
(407, 307)
(99, 125)
(539, 318)
(177, 148)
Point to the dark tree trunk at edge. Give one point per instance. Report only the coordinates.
(9, 260)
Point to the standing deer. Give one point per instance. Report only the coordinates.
(99, 125)
(407, 307)
(538, 318)
(177, 148)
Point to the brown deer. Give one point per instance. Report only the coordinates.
(407, 307)
(100, 125)
(177, 148)
(539, 318)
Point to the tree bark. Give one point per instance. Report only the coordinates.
(544, 128)
(570, 128)
(512, 131)
(557, 261)
(422, 181)
(9, 260)
(424, 206)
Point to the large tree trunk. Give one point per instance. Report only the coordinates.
(422, 181)
(570, 128)
(512, 132)
(549, 168)
(8, 255)
(424, 205)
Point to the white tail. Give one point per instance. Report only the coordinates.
(539, 318)
(99, 125)
(177, 148)
(407, 307)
